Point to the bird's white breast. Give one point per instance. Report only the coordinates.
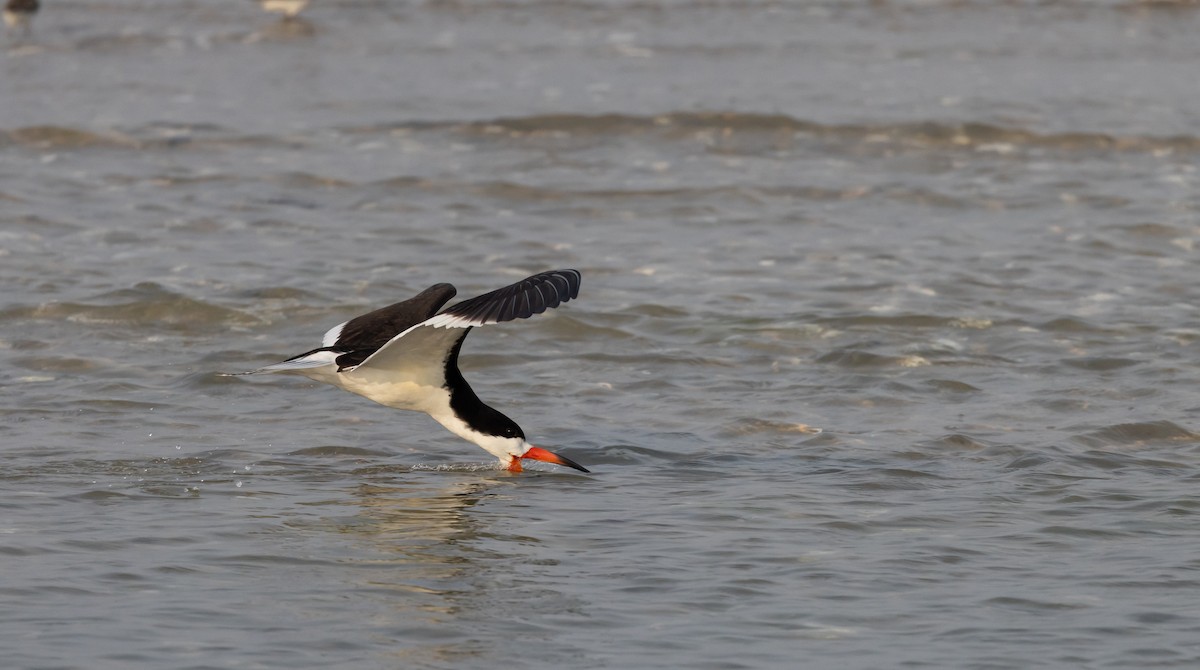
(432, 400)
(399, 394)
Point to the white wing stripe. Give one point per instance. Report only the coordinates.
(332, 335)
(452, 321)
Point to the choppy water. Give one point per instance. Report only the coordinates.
(886, 353)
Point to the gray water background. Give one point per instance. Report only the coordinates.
(885, 356)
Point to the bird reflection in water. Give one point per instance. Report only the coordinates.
(441, 566)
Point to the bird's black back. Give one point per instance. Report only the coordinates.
(364, 335)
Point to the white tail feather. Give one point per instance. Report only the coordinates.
(317, 359)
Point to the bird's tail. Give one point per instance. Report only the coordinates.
(313, 359)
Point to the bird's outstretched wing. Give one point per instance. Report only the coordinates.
(532, 295)
(357, 339)
(429, 344)
(375, 329)
(411, 338)
(350, 343)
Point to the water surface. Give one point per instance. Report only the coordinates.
(885, 355)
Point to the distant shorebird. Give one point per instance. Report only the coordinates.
(289, 8)
(406, 356)
(18, 14)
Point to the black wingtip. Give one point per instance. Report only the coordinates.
(532, 295)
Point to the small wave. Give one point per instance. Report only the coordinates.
(60, 138)
(1070, 324)
(750, 426)
(1032, 606)
(724, 132)
(147, 304)
(908, 321)
(1138, 434)
(956, 442)
(284, 293)
(1100, 363)
(952, 386)
(339, 451)
(144, 138)
(455, 467)
(857, 358)
(132, 41)
(717, 127)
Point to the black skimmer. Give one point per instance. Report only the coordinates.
(406, 356)
(18, 14)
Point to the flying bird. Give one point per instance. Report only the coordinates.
(406, 356)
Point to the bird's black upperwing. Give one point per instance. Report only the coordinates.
(421, 352)
(374, 329)
(362, 336)
(532, 295)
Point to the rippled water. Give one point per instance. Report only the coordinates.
(885, 356)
